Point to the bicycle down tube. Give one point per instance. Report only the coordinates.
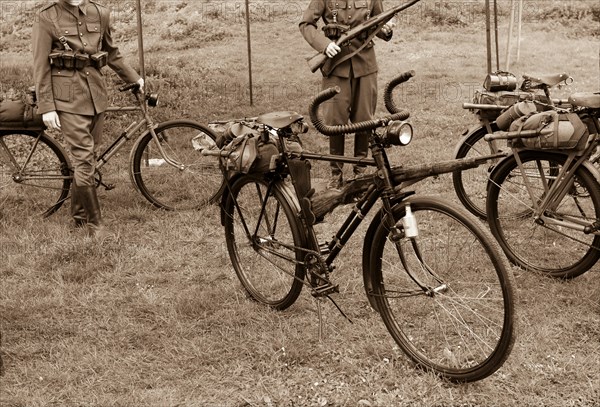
(430, 269)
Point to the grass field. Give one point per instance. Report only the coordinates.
(157, 317)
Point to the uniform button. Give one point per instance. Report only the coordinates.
(66, 31)
(81, 34)
(80, 23)
(59, 72)
(87, 73)
(349, 7)
(84, 44)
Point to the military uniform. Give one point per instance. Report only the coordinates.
(75, 89)
(356, 76)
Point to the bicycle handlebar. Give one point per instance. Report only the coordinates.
(332, 130)
(389, 89)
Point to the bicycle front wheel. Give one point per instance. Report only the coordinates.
(446, 296)
(190, 181)
(264, 240)
(551, 248)
(35, 173)
(470, 185)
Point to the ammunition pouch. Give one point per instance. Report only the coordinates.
(334, 31)
(65, 59)
(100, 59)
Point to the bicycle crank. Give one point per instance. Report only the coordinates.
(318, 273)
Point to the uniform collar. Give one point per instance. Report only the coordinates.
(73, 9)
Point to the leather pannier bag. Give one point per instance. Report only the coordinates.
(16, 114)
(249, 153)
(566, 131)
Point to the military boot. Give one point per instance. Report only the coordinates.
(77, 208)
(336, 181)
(357, 171)
(95, 224)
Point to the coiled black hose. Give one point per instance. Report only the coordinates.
(389, 89)
(396, 114)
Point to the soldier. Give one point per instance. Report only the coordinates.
(72, 41)
(353, 70)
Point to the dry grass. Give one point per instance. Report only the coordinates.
(156, 317)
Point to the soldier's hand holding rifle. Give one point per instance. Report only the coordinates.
(333, 49)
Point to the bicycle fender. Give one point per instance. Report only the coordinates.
(287, 189)
(284, 187)
(131, 158)
(368, 243)
(592, 169)
(465, 135)
(50, 140)
(225, 196)
(595, 171)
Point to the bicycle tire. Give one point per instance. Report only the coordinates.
(470, 185)
(43, 185)
(198, 184)
(254, 250)
(465, 331)
(561, 253)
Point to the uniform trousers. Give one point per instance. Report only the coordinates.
(83, 134)
(356, 102)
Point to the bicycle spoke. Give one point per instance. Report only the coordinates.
(550, 238)
(34, 172)
(457, 323)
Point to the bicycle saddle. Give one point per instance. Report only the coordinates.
(549, 80)
(585, 99)
(279, 120)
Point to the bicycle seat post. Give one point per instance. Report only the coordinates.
(546, 89)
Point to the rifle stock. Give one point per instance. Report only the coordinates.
(317, 60)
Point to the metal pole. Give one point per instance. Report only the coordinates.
(510, 33)
(488, 40)
(140, 40)
(249, 50)
(519, 30)
(496, 34)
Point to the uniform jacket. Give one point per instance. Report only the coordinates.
(84, 27)
(348, 12)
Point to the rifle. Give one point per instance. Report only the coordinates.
(374, 24)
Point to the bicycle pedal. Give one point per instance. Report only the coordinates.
(325, 289)
(324, 248)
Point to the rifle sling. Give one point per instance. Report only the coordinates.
(328, 68)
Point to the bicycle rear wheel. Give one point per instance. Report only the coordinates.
(35, 173)
(555, 250)
(264, 240)
(458, 320)
(197, 183)
(470, 185)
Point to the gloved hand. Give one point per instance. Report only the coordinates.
(51, 120)
(141, 82)
(332, 50)
(388, 27)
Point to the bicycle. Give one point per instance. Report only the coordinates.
(430, 268)
(543, 205)
(470, 185)
(36, 172)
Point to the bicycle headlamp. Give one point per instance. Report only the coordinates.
(152, 99)
(398, 133)
(299, 127)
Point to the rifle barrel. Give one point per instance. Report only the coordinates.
(317, 61)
